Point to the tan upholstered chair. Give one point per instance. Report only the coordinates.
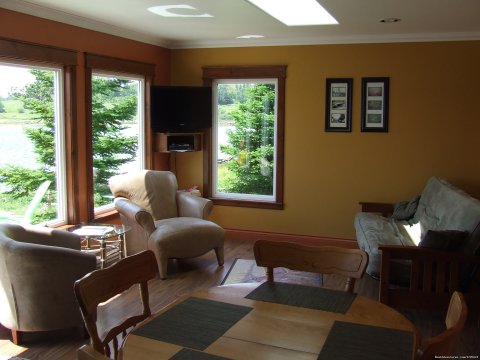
(171, 223)
(38, 267)
(350, 263)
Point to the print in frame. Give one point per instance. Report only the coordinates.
(375, 93)
(338, 114)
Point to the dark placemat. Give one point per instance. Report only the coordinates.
(189, 354)
(364, 342)
(303, 296)
(195, 323)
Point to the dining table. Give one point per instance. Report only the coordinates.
(272, 320)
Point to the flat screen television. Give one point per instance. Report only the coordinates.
(180, 108)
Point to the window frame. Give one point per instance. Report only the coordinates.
(114, 66)
(24, 53)
(141, 124)
(273, 72)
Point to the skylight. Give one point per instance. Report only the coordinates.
(296, 12)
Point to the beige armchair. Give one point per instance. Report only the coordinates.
(171, 223)
(38, 267)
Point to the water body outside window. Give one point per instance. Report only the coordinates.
(15, 147)
(30, 116)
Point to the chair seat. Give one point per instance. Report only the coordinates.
(185, 237)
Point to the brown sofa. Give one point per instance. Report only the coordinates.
(171, 223)
(38, 267)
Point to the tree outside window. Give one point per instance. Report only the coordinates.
(115, 131)
(245, 166)
(245, 139)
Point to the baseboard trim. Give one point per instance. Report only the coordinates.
(251, 235)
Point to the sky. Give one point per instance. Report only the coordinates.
(13, 76)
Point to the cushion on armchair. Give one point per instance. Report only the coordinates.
(156, 194)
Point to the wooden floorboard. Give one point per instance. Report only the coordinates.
(188, 275)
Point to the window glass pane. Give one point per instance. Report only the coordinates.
(32, 163)
(117, 131)
(244, 138)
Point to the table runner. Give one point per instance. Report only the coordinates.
(195, 323)
(303, 296)
(350, 341)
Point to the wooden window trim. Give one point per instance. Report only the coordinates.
(211, 73)
(101, 62)
(21, 50)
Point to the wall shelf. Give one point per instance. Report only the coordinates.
(178, 142)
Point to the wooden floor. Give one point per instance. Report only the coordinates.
(203, 272)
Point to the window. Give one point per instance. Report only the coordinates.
(32, 144)
(244, 139)
(117, 131)
(116, 122)
(245, 166)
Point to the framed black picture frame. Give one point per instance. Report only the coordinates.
(338, 104)
(375, 95)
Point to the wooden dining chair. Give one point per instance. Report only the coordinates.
(102, 285)
(350, 263)
(445, 343)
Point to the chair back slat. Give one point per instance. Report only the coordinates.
(350, 263)
(102, 285)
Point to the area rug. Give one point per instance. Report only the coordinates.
(247, 271)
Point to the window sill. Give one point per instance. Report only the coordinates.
(105, 216)
(248, 203)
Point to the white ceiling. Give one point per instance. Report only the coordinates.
(421, 20)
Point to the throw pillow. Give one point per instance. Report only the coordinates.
(405, 210)
(450, 240)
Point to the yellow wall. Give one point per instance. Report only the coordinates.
(434, 128)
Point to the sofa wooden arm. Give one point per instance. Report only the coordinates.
(386, 209)
(434, 276)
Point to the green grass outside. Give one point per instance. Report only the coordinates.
(14, 110)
